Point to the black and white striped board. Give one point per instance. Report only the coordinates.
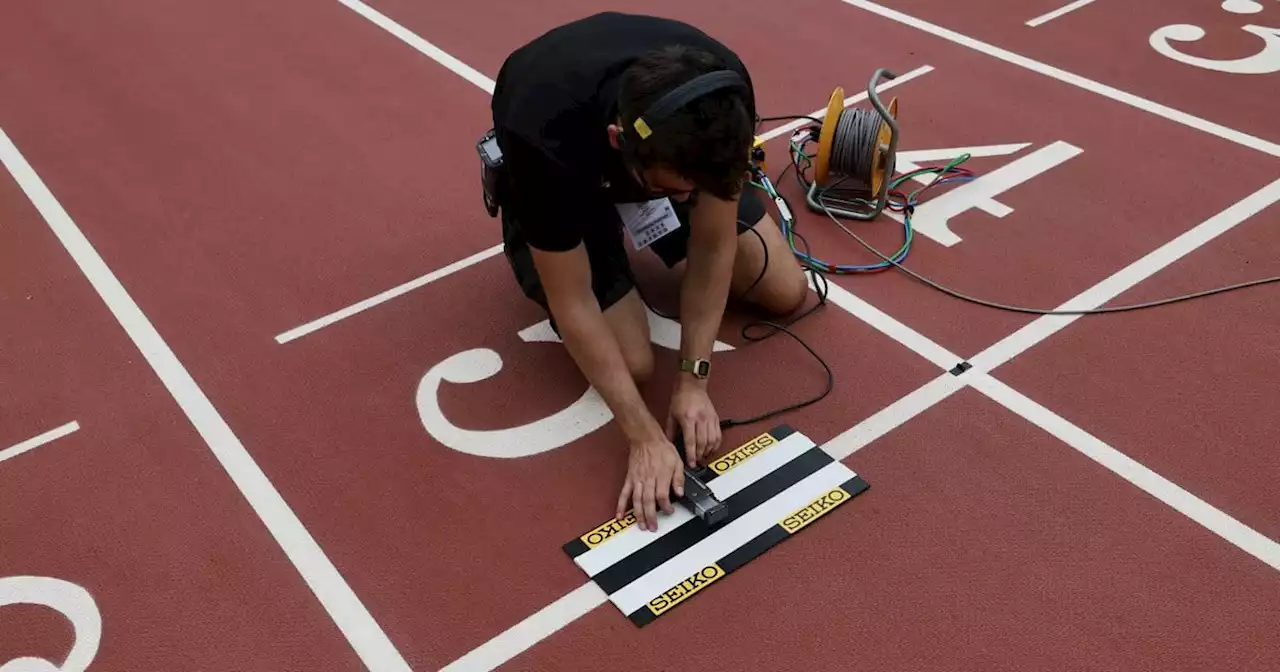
(774, 486)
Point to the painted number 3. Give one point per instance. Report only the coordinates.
(1265, 61)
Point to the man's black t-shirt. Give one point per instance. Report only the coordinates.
(552, 101)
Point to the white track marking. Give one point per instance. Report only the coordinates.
(1165, 255)
(890, 326)
(37, 441)
(894, 415)
(383, 297)
(884, 85)
(1264, 61)
(524, 635)
(426, 48)
(933, 217)
(1071, 7)
(462, 70)
(1238, 534)
(907, 160)
(1241, 6)
(1073, 79)
(366, 637)
(74, 603)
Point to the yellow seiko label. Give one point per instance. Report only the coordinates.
(741, 453)
(814, 510)
(681, 591)
(606, 531)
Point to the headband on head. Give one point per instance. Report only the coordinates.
(681, 95)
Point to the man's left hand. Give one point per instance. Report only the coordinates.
(693, 415)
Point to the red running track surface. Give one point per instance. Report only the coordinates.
(245, 169)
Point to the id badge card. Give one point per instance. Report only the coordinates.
(648, 221)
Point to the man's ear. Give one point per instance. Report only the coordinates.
(615, 133)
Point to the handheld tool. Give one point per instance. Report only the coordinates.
(699, 498)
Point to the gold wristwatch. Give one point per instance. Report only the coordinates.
(698, 367)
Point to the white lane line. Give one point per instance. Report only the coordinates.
(1046, 325)
(977, 377)
(383, 297)
(890, 326)
(884, 85)
(894, 415)
(524, 635)
(426, 48)
(1045, 18)
(1073, 79)
(346, 610)
(37, 441)
(1211, 518)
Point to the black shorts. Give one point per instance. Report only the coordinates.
(611, 277)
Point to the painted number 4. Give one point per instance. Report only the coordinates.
(1264, 61)
(933, 217)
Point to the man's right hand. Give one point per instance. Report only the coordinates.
(654, 471)
(655, 467)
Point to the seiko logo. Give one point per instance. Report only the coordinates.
(684, 589)
(742, 453)
(814, 510)
(604, 532)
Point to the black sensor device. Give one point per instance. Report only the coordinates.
(490, 171)
(699, 498)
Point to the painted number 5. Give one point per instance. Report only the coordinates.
(584, 416)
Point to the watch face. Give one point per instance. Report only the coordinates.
(699, 367)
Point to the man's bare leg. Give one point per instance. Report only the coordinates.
(629, 322)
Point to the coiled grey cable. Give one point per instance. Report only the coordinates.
(854, 145)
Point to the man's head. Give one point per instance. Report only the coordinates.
(703, 146)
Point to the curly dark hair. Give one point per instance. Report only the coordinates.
(708, 141)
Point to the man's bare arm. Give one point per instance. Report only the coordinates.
(653, 470)
(703, 293)
(713, 243)
(566, 278)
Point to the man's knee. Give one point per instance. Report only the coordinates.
(640, 363)
(629, 323)
(786, 292)
(766, 272)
